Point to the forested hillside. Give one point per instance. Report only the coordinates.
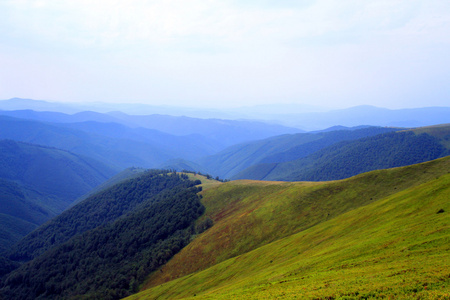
(128, 173)
(235, 159)
(18, 216)
(37, 183)
(103, 247)
(99, 209)
(349, 158)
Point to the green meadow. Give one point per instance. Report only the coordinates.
(378, 235)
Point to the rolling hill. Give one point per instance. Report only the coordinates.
(37, 183)
(129, 229)
(233, 160)
(380, 234)
(245, 239)
(348, 158)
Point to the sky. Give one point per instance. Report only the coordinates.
(228, 53)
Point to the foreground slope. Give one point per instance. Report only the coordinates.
(378, 228)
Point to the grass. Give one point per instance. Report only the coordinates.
(382, 239)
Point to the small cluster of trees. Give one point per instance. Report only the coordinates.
(208, 176)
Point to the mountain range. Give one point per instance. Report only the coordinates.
(109, 205)
(291, 115)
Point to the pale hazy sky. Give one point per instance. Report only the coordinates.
(341, 53)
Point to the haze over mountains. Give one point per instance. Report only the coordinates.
(83, 217)
(298, 116)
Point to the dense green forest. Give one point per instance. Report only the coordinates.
(104, 247)
(99, 209)
(6, 266)
(126, 174)
(349, 158)
(326, 139)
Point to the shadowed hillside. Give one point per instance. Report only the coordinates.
(37, 183)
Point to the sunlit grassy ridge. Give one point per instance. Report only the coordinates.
(395, 247)
(206, 183)
(250, 214)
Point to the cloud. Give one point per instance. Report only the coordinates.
(199, 24)
(246, 50)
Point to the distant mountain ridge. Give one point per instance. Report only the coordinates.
(290, 115)
(370, 115)
(220, 132)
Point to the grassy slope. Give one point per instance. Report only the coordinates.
(397, 247)
(206, 183)
(249, 214)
